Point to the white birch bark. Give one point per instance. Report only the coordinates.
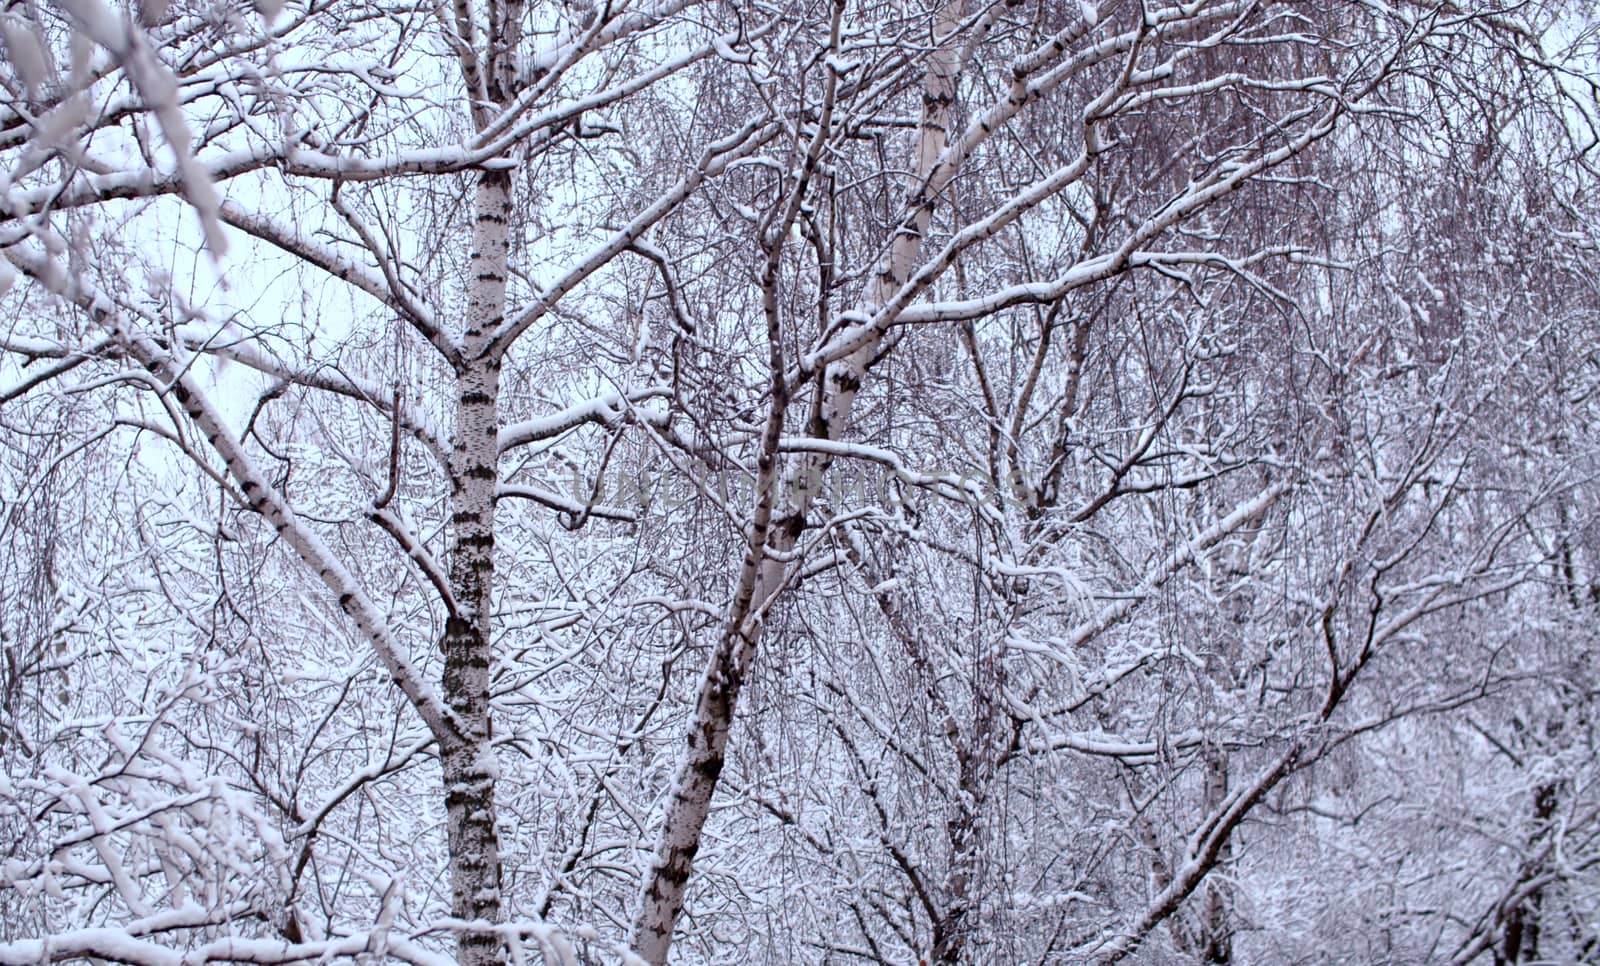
(470, 768)
(469, 764)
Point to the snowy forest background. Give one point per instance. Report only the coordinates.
(871, 481)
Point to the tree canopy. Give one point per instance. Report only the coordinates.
(806, 482)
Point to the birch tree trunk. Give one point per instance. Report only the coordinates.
(468, 757)
(776, 532)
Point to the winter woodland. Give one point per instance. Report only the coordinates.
(821, 481)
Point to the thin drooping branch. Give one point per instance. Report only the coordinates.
(262, 496)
